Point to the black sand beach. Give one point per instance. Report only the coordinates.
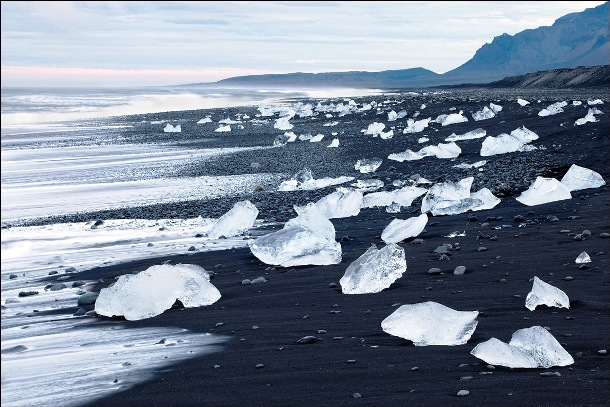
(354, 362)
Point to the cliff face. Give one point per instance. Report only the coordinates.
(581, 77)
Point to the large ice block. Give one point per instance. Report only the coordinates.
(431, 323)
(578, 178)
(416, 126)
(303, 180)
(507, 143)
(470, 135)
(236, 221)
(545, 294)
(367, 165)
(532, 347)
(553, 109)
(375, 270)
(156, 289)
(442, 150)
(342, 203)
(399, 229)
(544, 190)
(403, 196)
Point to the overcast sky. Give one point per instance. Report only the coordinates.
(120, 43)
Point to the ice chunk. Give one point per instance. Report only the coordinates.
(578, 178)
(507, 143)
(495, 108)
(453, 118)
(367, 165)
(303, 180)
(307, 239)
(576, 103)
(447, 150)
(368, 185)
(399, 230)
(375, 270)
(544, 190)
(342, 203)
(553, 109)
(473, 134)
(583, 258)
(595, 102)
(484, 114)
(205, 120)
(522, 102)
(236, 221)
(431, 323)
(545, 294)
(281, 140)
(316, 138)
(529, 348)
(466, 166)
(172, 129)
(283, 123)
(416, 126)
(422, 140)
(392, 116)
(590, 117)
(291, 137)
(334, 143)
(374, 129)
(386, 134)
(451, 198)
(403, 197)
(156, 289)
(223, 129)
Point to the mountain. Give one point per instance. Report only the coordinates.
(580, 77)
(576, 39)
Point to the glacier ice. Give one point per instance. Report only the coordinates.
(236, 221)
(374, 129)
(522, 102)
(451, 198)
(452, 118)
(578, 178)
(591, 102)
(507, 143)
(386, 134)
(367, 165)
(442, 150)
(544, 190)
(342, 203)
(399, 229)
(471, 135)
(375, 270)
(590, 117)
(316, 138)
(155, 290)
(466, 166)
(545, 294)
(403, 196)
(483, 114)
(392, 116)
(553, 109)
(431, 323)
(416, 126)
(532, 347)
(205, 120)
(172, 129)
(583, 258)
(223, 129)
(303, 180)
(281, 140)
(368, 185)
(308, 239)
(495, 108)
(283, 123)
(334, 143)
(422, 140)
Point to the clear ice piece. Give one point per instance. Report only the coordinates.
(583, 258)
(532, 347)
(403, 196)
(578, 178)
(471, 135)
(342, 203)
(375, 270)
(367, 165)
(399, 230)
(155, 290)
(416, 126)
(544, 190)
(545, 294)
(451, 198)
(303, 180)
(236, 221)
(507, 143)
(431, 323)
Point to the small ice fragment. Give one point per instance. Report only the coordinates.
(456, 234)
(595, 102)
(303, 180)
(399, 230)
(155, 290)
(374, 129)
(403, 196)
(342, 203)
(172, 129)
(334, 143)
(545, 294)
(452, 118)
(316, 138)
(451, 198)
(470, 135)
(416, 126)
(522, 102)
(422, 140)
(583, 258)
(223, 129)
(431, 323)
(367, 165)
(473, 165)
(205, 120)
(375, 270)
(578, 178)
(553, 109)
(532, 347)
(368, 185)
(484, 114)
(236, 221)
(544, 190)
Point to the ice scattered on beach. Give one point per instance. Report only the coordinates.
(172, 129)
(483, 114)
(303, 180)
(374, 129)
(592, 102)
(399, 229)
(545, 294)
(154, 290)
(467, 166)
(473, 134)
(522, 102)
(507, 143)
(367, 165)
(342, 203)
(237, 220)
(544, 190)
(451, 198)
(431, 323)
(578, 178)
(283, 123)
(317, 138)
(223, 129)
(553, 109)
(334, 143)
(529, 348)
(205, 120)
(308, 239)
(368, 185)
(442, 150)
(583, 258)
(375, 270)
(416, 126)
(590, 117)
(403, 196)
(452, 118)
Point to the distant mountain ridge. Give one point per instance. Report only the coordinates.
(576, 39)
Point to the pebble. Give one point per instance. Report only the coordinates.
(414, 368)
(466, 377)
(552, 218)
(578, 237)
(306, 340)
(246, 281)
(602, 352)
(356, 395)
(462, 393)
(586, 232)
(459, 270)
(260, 365)
(569, 278)
(549, 374)
(519, 218)
(254, 327)
(482, 249)
(332, 285)
(604, 235)
(434, 270)
(351, 361)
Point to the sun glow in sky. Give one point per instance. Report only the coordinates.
(128, 43)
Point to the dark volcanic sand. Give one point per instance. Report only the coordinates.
(298, 301)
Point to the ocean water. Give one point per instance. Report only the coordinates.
(58, 157)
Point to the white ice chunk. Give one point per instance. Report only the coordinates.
(229, 121)
(507, 143)
(451, 198)
(529, 348)
(576, 103)
(422, 107)
(442, 150)
(472, 134)
(431, 323)
(553, 109)
(368, 185)
(453, 118)
(291, 137)
(307, 239)
(334, 143)
(155, 290)
(578, 178)
(522, 102)
(544, 190)
(483, 114)
(392, 116)
(205, 120)
(403, 197)
(283, 123)
(367, 165)
(595, 102)
(399, 230)
(223, 129)
(172, 129)
(375, 270)
(416, 126)
(375, 129)
(545, 294)
(316, 138)
(386, 134)
(303, 180)
(473, 165)
(342, 203)
(236, 221)
(590, 117)
(422, 140)
(583, 258)
(496, 108)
